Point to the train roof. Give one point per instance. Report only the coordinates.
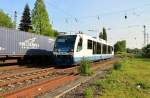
(4, 30)
(90, 37)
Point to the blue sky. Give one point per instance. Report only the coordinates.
(82, 15)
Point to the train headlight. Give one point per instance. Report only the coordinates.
(71, 50)
(71, 53)
(55, 50)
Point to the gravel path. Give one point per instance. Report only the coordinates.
(79, 91)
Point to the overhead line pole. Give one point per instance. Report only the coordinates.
(144, 35)
(147, 38)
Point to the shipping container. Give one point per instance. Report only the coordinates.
(19, 43)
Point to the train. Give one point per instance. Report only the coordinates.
(24, 46)
(71, 49)
(63, 50)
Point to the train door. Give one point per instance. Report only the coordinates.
(104, 49)
(98, 50)
(79, 46)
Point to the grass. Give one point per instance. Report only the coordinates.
(85, 67)
(117, 65)
(131, 81)
(88, 93)
(1, 90)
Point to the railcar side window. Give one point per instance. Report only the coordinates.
(79, 47)
(98, 48)
(89, 44)
(109, 50)
(94, 47)
(104, 49)
(112, 49)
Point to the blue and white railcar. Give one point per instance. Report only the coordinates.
(70, 49)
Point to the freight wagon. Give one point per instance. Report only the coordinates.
(19, 45)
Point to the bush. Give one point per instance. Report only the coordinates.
(124, 55)
(85, 67)
(121, 54)
(117, 65)
(88, 93)
(97, 83)
(120, 46)
(135, 51)
(146, 51)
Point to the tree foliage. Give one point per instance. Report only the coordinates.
(25, 23)
(120, 46)
(56, 33)
(40, 19)
(5, 20)
(134, 51)
(103, 35)
(146, 51)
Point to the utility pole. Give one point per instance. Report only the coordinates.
(144, 35)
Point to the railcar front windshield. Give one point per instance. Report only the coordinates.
(65, 42)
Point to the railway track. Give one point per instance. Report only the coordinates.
(45, 79)
(42, 87)
(11, 81)
(16, 68)
(17, 78)
(12, 67)
(25, 73)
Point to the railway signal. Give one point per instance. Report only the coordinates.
(126, 17)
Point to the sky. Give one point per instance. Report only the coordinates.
(90, 16)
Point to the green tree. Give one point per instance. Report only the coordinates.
(100, 35)
(25, 24)
(40, 19)
(104, 34)
(5, 20)
(134, 51)
(56, 33)
(120, 46)
(146, 51)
